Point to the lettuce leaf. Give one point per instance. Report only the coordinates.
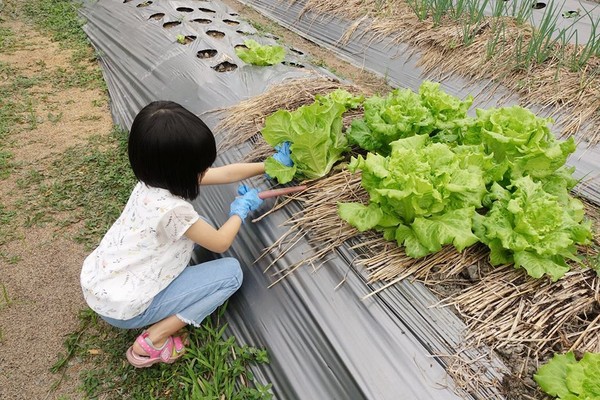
(520, 140)
(566, 378)
(258, 54)
(315, 134)
(533, 228)
(399, 115)
(552, 376)
(449, 112)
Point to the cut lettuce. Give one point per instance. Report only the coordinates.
(315, 134)
(258, 54)
(566, 378)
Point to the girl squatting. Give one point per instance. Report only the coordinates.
(139, 276)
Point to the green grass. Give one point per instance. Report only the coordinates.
(214, 366)
(7, 218)
(7, 38)
(5, 300)
(61, 18)
(91, 183)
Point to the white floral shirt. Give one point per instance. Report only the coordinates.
(140, 255)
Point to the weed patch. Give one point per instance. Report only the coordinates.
(61, 18)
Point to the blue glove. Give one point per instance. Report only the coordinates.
(246, 202)
(283, 154)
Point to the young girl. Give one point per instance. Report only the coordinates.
(138, 275)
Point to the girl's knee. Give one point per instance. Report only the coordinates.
(234, 271)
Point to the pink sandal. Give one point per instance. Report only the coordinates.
(171, 351)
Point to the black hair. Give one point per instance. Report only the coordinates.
(169, 147)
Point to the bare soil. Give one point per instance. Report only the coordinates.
(40, 268)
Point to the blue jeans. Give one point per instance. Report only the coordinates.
(192, 296)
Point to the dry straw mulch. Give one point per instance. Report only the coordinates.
(572, 98)
(503, 308)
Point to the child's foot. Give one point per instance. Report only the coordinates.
(138, 350)
(143, 353)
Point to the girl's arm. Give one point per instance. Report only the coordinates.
(232, 173)
(215, 240)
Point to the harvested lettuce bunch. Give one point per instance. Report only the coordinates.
(315, 134)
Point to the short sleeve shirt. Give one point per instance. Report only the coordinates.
(140, 255)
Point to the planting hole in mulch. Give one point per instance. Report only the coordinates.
(234, 14)
(157, 16)
(126, 1)
(172, 24)
(207, 53)
(538, 5)
(296, 51)
(240, 46)
(231, 22)
(570, 14)
(187, 39)
(202, 20)
(144, 4)
(216, 34)
(207, 10)
(225, 66)
(243, 33)
(292, 64)
(185, 9)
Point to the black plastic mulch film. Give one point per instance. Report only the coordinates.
(323, 340)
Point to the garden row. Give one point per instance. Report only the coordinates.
(436, 176)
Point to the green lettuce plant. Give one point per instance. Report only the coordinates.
(404, 113)
(565, 378)
(499, 178)
(423, 195)
(521, 142)
(258, 54)
(532, 227)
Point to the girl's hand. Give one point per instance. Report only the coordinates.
(283, 154)
(246, 202)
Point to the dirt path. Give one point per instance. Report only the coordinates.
(39, 268)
